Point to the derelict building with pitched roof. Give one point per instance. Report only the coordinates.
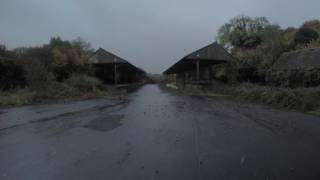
(196, 68)
(113, 69)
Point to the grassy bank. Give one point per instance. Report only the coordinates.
(77, 87)
(300, 98)
(305, 99)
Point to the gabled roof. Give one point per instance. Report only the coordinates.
(208, 55)
(211, 52)
(102, 56)
(301, 59)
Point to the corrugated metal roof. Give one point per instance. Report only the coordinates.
(102, 56)
(208, 55)
(302, 59)
(211, 52)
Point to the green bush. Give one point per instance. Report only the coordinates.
(77, 87)
(85, 83)
(58, 91)
(38, 75)
(301, 98)
(16, 97)
(305, 35)
(11, 75)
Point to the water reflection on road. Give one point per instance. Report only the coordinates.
(158, 135)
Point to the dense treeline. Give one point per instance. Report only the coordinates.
(37, 66)
(54, 71)
(256, 43)
(257, 46)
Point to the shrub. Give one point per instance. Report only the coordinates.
(37, 75)
(301, 98)
(222, 72)
(11, 75)
(16, 97)
(305, 35)
(76, 87)
(58, 91)
(62, 73)
(85, 83)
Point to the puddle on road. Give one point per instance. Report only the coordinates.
(105, 123)
(179, 104)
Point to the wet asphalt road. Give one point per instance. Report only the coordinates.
(158, 135)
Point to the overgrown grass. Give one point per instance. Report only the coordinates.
(77, 87)
(305, 99)
(299, 98)
(85, 83)
(16, 97)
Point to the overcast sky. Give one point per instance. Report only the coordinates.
(152, 34)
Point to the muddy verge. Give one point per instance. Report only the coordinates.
(77, 118)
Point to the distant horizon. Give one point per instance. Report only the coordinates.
(153, 35)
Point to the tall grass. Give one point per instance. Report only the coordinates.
(299, 98)
(77, 87)
(17, 97)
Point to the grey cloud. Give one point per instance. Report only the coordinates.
(152, 34)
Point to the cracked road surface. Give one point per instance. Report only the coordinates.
(158, 135)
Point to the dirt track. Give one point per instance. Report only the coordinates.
(158, 135)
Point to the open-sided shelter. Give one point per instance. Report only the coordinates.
(196, 67)
(113, 69)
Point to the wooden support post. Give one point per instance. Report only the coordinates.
(115, 72)
(198, 71)
(185, 78)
